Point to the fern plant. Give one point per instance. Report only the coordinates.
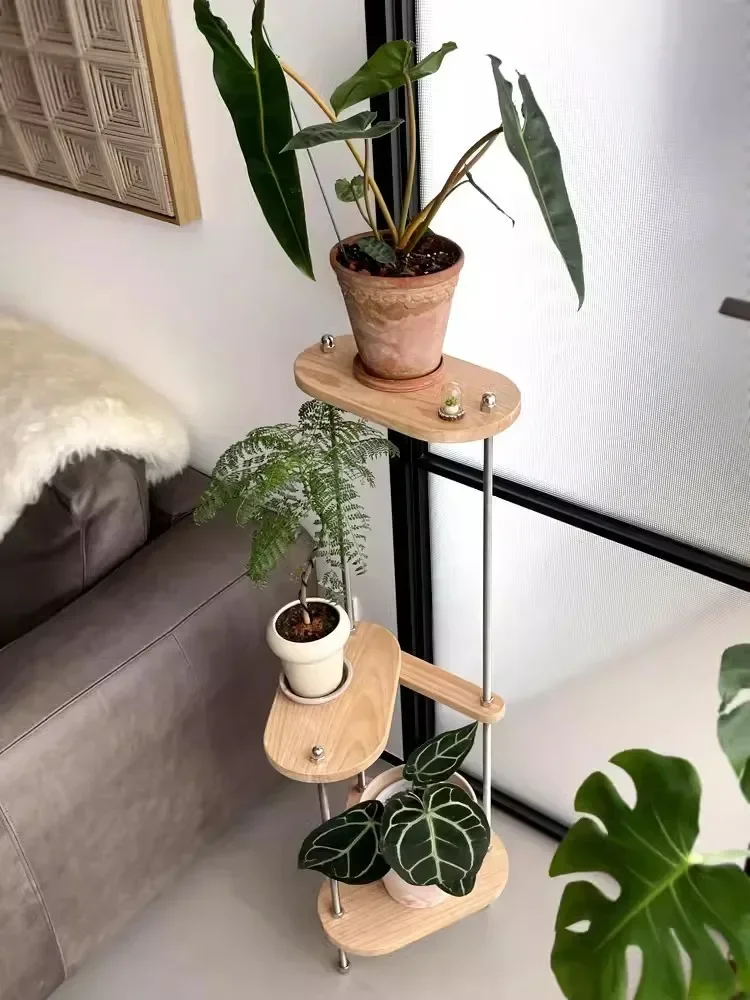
(276, 478)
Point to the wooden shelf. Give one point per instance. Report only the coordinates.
(353, 729)
(374, 924)
(456, 693)
(328, 376)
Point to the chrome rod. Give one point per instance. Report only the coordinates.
(338, 910)
(487, 622)
(349, 596)
(361, 781)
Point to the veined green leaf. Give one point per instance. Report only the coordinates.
(536, 150)
(665, 898)
(379, 250)
(432, 62)
(346, 847)
(359, 126)
(438, 836)
(461, 888)
(352, 190)
(440, 757)
(384, 70)
(734, 720)
(258, 101)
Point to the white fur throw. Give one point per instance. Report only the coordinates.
(59, 401)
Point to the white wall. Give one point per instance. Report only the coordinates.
(211, 314)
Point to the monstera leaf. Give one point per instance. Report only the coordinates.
(346, 847)
(536, 150)
(258, 101)
(357, 127)
(667, 899)
(439, 758)
(435, 836)
(734, 719)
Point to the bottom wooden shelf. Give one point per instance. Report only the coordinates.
(374, 924)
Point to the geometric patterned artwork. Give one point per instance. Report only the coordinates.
(90, 102)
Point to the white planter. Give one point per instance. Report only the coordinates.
(416, 897)
(312, 669)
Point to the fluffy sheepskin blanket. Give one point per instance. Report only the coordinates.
(60, 401)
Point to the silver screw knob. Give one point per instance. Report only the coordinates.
(327, 343)
(317, 754)
(489, 402)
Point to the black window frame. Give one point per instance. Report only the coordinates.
(410, 477)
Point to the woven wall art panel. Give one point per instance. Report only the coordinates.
(90, 102)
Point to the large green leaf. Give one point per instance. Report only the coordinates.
(434, 836)
(359, 126)
(384, 70)
(258, 101)
(666, 898)
(536, 150)
(346, 847)
(734, 719)
(432, 62)
(440, 757)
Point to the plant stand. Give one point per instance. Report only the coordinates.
(339, 740)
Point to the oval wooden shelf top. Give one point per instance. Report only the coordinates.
(374, 924)
(328, 376)
(353, 729)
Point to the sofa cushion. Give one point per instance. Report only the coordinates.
(90, 517)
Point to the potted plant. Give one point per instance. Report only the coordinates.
(398, 277)
(672, 901)
(417, 827)
(279, 479)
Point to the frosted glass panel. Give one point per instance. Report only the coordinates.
(637, 404)
(597, 648)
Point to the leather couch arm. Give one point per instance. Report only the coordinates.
(176, 498)
(130, 735)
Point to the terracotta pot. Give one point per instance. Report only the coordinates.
(415, 897)
(399, 324)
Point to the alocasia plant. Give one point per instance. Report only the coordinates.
(672, 902)
(256, 95)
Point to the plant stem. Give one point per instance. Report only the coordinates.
(304, 580)
(416, 230)
(335, 463)
(411, 122)
(361, 210)
(368, 209)
(329, 113)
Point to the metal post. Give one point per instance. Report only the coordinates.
(361, 781)
(338, 910)
(346, 578)
(487, 625)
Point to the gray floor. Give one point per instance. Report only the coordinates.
(241, 923)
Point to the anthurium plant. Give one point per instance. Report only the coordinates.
(432, 833)
(255, 92)
(673, 903)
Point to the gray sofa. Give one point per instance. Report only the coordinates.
(130, 720)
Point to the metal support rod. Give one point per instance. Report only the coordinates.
(338, 910)
(487, 623)
(361, 781)
(348, 595)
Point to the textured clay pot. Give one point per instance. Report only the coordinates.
(399, 324)
(415, 897)
(312, 669)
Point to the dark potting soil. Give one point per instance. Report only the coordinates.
(433, 253)
(291, 625)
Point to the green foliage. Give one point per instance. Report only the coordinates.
(349, 191)
(431, 834)
(734, 712)
(537, 152)
(347, 846)
(432, 62)
(277, 477)
(379, 250)
(440, 757)
(357, 127)
(384, 71)
(258, 101)
(668, 898)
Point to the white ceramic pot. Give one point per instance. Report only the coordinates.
(312, 669)
(416, 897)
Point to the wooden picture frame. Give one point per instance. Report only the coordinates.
(90, 103)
